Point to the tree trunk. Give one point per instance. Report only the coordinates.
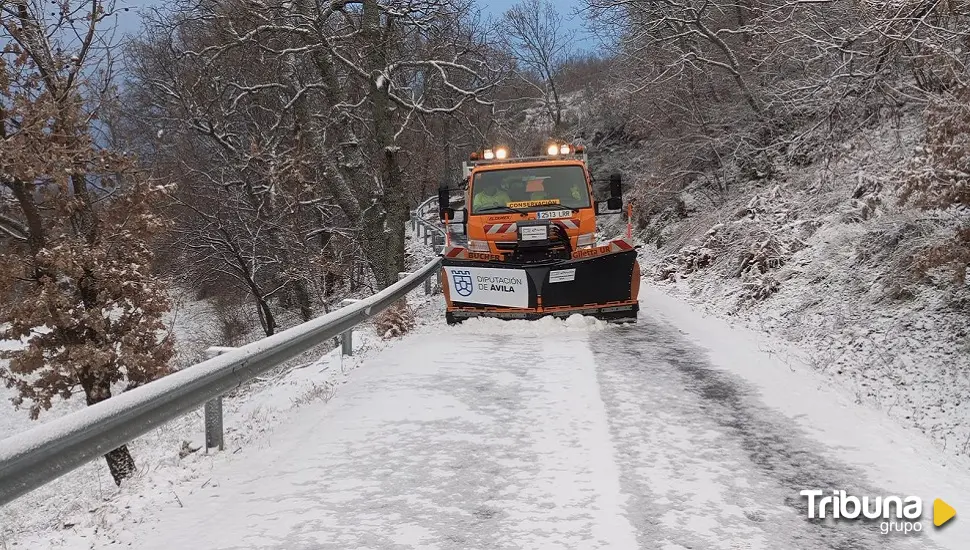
(266, 318)
(36, 237)
(347, 177)
(302, 296)
(83, 219)
(742, 10)
(381, 225)
(556, 102)
(120, 463)
(397, 216)
(331, 280)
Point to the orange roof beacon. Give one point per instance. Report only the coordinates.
(524, 244)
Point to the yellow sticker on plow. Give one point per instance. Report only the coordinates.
(530, 204)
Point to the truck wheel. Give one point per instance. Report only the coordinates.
(451, 320)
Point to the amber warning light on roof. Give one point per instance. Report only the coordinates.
(559, 149)
(498, 153)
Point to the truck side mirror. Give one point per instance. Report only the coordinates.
(616, 188)
(611, 205)
(444, 204)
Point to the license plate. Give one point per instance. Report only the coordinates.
(553, 214)
(534, 233)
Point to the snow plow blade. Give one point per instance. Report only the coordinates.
(602, 286)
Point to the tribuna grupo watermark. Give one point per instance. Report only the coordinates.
(899, 514)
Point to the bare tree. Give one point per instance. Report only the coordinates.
(725, 88)
(536, 35)
(76, 280)
(324, 126)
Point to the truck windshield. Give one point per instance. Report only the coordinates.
(547, 186)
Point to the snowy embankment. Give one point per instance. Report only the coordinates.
(820, 256)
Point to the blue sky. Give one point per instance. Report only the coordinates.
(566, 8)
(130, 21)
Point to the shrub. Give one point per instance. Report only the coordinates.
(688, 260)
(395, 321)
(938, 178)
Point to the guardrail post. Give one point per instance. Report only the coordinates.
(347, 336)
(426, 236)
(214, 434)
(438, 286)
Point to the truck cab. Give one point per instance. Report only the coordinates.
(532, 209)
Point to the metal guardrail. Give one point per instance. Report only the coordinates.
(433, 233)
(423, 228)
(38, 456)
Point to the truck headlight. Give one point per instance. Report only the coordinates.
(477, 246)
(586, 240)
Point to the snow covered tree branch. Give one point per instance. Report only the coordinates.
(328, 110)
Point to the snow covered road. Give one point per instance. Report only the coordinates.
(553, 435)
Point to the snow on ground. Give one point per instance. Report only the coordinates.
(419, 444)
(539, 327)
(678, 432)
(194, 327)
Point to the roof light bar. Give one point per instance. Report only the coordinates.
(561, 149)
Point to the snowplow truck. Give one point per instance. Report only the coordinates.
(525, 245)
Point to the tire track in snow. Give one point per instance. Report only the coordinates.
(706, 464)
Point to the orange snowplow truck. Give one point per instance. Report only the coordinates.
(530, 247)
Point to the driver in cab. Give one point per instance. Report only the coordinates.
(490, 196)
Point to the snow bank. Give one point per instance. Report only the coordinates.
(540, 327)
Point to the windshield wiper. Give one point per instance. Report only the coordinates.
(493, 208)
